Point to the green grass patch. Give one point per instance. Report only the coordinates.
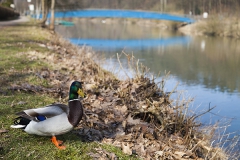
(17, 68)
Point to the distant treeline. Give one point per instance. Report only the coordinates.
(196, 7)
(210, 6)
(7, 13)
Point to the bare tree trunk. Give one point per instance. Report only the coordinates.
(45, 8)
(165, 5)
(52, 22)
(220, 6)
(209, 7)
(38, 9)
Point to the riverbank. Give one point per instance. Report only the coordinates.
(128, 119)
(214, 26)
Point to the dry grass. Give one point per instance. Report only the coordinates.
(175, 124)
(214, 26)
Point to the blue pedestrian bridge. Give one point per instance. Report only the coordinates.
(101, 13)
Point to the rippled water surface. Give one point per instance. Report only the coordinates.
(207, 69)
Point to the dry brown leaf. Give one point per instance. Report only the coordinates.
(3, 131)
(107, 140)
(132, 121)
(106, 105)
(117, 143)
(181, 154)
(142, 150)
(159, 153)
(89, 86)
(103, 154)
(140, 139)
(96, 104)
(189, 153)
(124, 137)
(126, 149)
(121, 109)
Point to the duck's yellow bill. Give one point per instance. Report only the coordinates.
(81, 93)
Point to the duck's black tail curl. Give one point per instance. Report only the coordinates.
(20, 122)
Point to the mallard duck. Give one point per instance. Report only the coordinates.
(55, 119)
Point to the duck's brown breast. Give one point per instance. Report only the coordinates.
(75, 112)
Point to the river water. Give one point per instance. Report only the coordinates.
(206, 68)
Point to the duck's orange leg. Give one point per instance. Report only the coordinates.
(57, 143)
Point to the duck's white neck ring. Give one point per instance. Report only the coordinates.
(73, 100)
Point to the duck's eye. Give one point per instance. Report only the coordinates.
(41, 118)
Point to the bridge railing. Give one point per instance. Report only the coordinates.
(90, 13)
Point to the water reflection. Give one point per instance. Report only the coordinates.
(136, 44)
(114, 29)
(215, 66)
(211, 62)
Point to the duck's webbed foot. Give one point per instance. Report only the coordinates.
(58, 143)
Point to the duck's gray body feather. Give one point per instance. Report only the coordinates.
(56, 122)
(51, 126)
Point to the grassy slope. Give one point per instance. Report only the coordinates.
(16, 69)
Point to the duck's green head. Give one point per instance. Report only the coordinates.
(76, 90)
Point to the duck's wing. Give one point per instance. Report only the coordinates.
(40, 114)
